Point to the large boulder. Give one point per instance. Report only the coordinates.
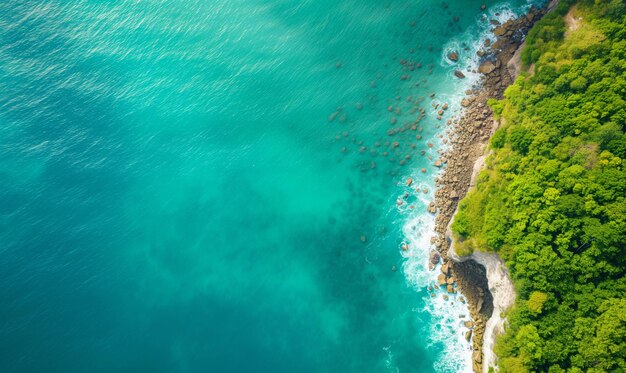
(487, 67)
(499, 31)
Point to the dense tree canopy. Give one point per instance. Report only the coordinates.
(552, 199)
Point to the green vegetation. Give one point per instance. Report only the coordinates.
(552, 198)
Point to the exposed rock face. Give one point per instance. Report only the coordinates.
(515, 64)
(469, 135)
(499, 298)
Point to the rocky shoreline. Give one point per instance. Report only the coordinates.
(469, 135)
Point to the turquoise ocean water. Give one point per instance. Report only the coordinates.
(212, 185)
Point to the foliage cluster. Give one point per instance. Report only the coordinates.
(552, 199)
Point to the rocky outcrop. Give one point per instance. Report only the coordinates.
(469, 135)
(500, 297)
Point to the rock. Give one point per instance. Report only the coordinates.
(445, 106)
(481, 53)
(445, 268)
(363, 238)
(486, 68)
(479, 305)
(459, 74)
(445, 297)
(453, 56)
(483, 7)
(465, 102)
(450, 281)
(434, 259)
(393, 268)
(468, 335)
(500, 30)
(409, 181)
(468, 324)
(441, 279)
(432, 209)
(450, 289)
(479, 357)
(437, 163)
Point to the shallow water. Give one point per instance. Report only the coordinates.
(212, 186)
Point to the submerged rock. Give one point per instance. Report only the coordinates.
(434, 259)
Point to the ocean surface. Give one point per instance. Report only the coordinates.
(221, 186)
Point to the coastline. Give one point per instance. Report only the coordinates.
(481, 277)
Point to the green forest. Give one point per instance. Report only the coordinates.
(551, 198)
